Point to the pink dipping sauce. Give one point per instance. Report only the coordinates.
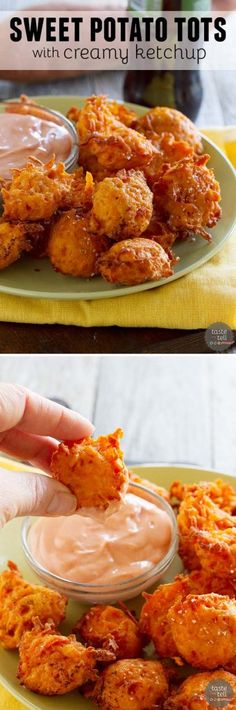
(94, 550)
(22, 136)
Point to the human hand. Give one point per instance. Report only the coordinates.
(30, 427)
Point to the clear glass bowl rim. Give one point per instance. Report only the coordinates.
(74, 153)
(131, 583)
(73, 156)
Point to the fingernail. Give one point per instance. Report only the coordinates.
(62, 504)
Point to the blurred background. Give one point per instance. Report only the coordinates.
(173, 409)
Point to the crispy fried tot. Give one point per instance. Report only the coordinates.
(13, 241)
(72, 248)
(193, 693)
(204, 629)
(154, 620)
(207, 534)
(93, 469)
(119, 110)
(20, 602)
(124, 114)
(51, 664)
(130, 685)
(168, 120)
(81, 191)
(187, 196)
(222, 494)
(167, 150)
(105, 142)
(134, 261)
(111, 628)
(122, 205)
(38, 190)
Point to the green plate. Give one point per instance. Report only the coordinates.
(36, 278)
(10, 548)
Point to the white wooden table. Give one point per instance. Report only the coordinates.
(178, 409)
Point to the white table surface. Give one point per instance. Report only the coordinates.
(179, 409)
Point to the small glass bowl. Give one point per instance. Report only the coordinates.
(72, 160)
(107, 593)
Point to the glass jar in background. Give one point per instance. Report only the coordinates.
(177, 89)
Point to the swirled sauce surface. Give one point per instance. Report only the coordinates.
(22, 136)
(103, 551)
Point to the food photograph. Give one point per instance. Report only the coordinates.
(117, 541)
(117, 226)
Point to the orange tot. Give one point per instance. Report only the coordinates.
(52, 664)
(134, 261)
(130, 684)
(21, 602)
(191, 695)
(36, 191)
(12, 243)
(155, 621)
(93, 469)
(111, 628)
(204, 629)
(72, 248)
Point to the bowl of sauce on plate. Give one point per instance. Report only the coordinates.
(104, 557)
(24, 136)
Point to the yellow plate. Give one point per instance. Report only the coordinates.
(10, 548)
(36, 278)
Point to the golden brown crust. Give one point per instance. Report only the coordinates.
(204, 629)
(38, 190)
(207, 531)
(134, 684)
(93, 469)
(109, 627)
(72, 248)
(105, 142)
(222, 494)
(191, 695)
(167, 150)
(51, 664)
(134, 261)
(122, 205)
(119, 110)
(13, 241)
(168, 120)
(20, 602)
(187, 195)
(154, 619)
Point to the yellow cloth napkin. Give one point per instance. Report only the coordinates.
(205, 296)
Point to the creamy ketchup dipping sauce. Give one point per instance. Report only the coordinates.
(119, 547)
(22, 136)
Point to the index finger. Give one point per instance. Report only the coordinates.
(37, 415)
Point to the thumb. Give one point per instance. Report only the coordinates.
(32, 493)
